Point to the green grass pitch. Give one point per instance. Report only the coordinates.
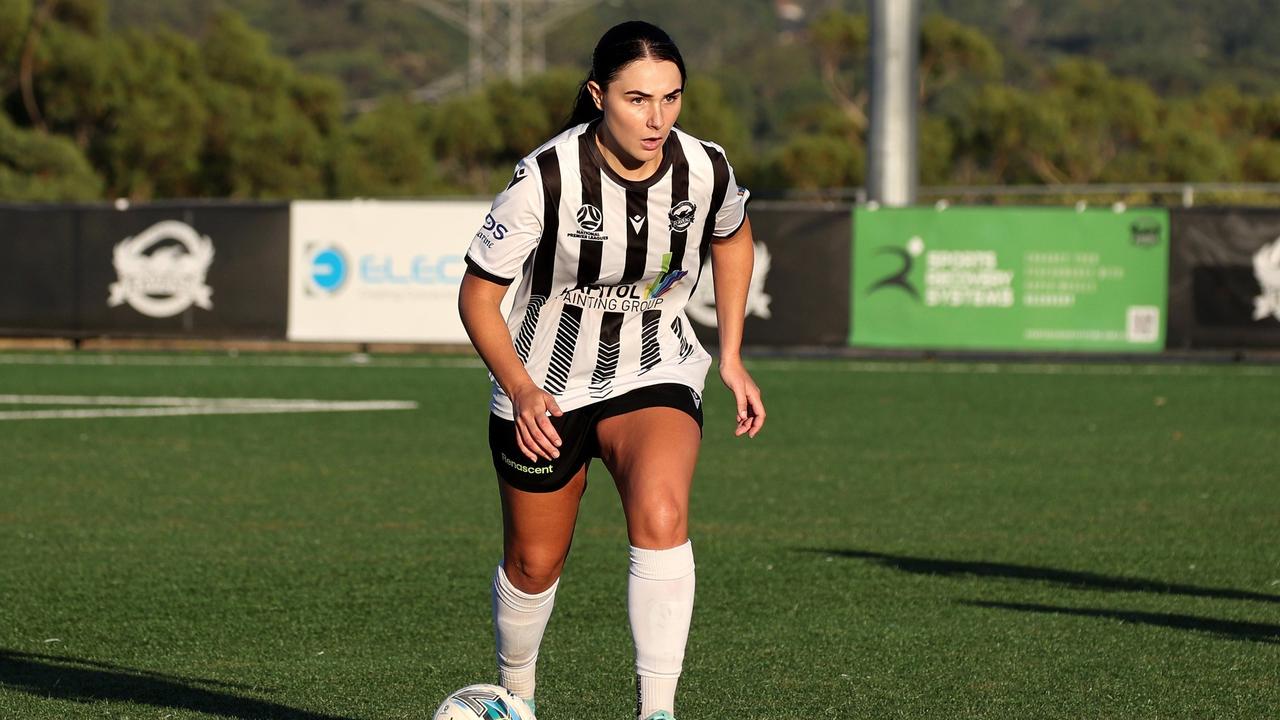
(914, 540)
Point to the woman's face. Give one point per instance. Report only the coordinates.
(640, 105)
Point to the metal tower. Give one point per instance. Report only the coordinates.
(507, 37)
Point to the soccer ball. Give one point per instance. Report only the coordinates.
(483, 702)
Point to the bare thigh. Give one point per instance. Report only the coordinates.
(651, 454)
(537, 530)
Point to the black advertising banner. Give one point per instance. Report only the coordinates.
(799, 293)
(206, 270)
(37, 271)
(1224, 278)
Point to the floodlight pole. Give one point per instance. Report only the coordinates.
(515, 40)
(892, 164)
(475, 31)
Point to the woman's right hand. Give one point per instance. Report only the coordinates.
(533, 407)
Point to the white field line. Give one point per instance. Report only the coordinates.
(799, 365)
(177, 406)
(1014, 368)
(202, 401)
(345, 361)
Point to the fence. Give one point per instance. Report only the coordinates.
(1133, 280)
(1081, 196)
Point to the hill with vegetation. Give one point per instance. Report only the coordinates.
(378, 46)
(255, 98)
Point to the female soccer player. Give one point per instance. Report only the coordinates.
(609, 222)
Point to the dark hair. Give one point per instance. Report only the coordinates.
(620, 46)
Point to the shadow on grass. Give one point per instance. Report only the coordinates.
(1256, 632)
(68, 678)
(1067, 578)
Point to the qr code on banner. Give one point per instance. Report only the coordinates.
(1143, 325)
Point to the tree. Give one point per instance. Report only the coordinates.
(385, 154)
(1182, 150)
(35, 166)
(467, 142)
(1000, 134)
(155, 118)
(950, 51)
(1072, 130)
(841, 42)
(1261, 161)
(814, 162)
(15, 19)
(64, 71)
(521, 118)
(706, 114)
(259, 141)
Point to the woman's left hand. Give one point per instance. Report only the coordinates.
(747, 396)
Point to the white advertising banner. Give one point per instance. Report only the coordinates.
(370, 271)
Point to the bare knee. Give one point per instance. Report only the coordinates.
(532, 571)
(658, 525)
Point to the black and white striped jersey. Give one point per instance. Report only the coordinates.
(608, 264)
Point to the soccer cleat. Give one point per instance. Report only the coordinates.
(533, 707)
(661, 715)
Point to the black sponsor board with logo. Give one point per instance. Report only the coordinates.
(1224, 278)
(800, 292)
(206, 270)
(37, 270)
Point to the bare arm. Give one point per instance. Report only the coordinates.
(732, 259)
(479, 305)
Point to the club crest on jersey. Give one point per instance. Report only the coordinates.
(590, 219)
(681, 216)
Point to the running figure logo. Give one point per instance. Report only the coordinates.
(702, 303)
(902, 278)
(1266, 268)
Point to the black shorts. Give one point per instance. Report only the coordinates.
(577, 429)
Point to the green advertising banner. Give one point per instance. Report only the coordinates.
(1010, 279)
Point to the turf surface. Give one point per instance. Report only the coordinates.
(902, 541)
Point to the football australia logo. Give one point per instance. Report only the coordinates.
(590, 219)
(161, 270)
(590, 224)
(1266, 268)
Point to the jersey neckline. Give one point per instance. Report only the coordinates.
(598, 158)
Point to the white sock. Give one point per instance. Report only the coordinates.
(519, 620)
(660, 603)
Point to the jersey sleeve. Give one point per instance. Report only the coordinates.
(733, 211)
(511, 229)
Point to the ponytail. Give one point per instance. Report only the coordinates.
(584, 107)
